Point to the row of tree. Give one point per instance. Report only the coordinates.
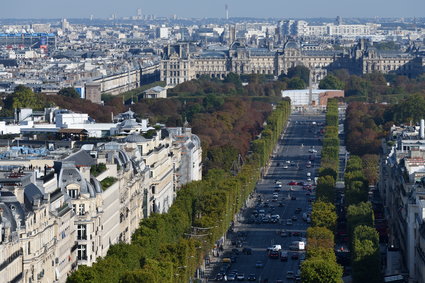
(356, 184)
(321, 264)
(365, 256)
(375, 87)
(169, 247)
(365, 126)
(328, 171)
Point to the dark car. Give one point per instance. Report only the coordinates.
(251, 277)
(274, 254)
(295, 256)
(293, 198)
(247, 251)
(235, 251)
(259, 264)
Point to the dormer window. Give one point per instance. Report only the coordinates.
(73, 193)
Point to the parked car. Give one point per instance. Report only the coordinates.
(251, 277)
(240, 277)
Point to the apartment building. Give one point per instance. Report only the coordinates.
(69, 214)
(402, 188)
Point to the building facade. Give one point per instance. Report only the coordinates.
(181, 62)
(59, 211)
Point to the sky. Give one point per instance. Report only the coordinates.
(212, 8)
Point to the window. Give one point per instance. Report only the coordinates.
(81, 209)
(81, 232)
(82, 252)
(74, 208)
(73, 193)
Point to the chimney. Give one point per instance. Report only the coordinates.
(422, 129)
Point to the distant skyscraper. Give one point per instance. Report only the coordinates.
(65, 24)
(226, 9)
(139, 13)
(338, 20)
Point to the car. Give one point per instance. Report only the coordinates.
(308, 179)
(278, 182)
(251, 277)
(295, 256)
(283, 256)
(296, 234)
(278, 186)
(298, 210)
(292, 183)
(219, 277)
(277, 216)
(233, 259)
(259, 264)
(279, 281)
(289, 222)
(240, 277)
(235, 251)
(247, 251)
(231, 276)
(293, 198)
(285, 167)
(281, 204)
(290, 275)
(274, 254)
(294, 218)
(288, 161)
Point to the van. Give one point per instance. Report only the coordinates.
(274, 248)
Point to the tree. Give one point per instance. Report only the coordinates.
(320, 237)
(324, 215)
(69, 92)
(300, 72)
(326, 188)
(331, 82)
(24, 97)
(315, 270)
(366, 257)
(360, 214)
(296, 83)
(233, 78)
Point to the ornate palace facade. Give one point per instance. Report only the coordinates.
(182, 62)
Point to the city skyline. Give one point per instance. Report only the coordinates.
(45, 9)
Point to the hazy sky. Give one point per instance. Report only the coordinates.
(212, 8)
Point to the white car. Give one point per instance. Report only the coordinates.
(285, 167)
